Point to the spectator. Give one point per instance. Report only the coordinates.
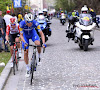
(1, 30)
(13, 15)
(7, 17)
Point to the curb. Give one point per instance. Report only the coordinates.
(4, 75)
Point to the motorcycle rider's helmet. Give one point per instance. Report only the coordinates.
(40, 13)
(28, 17)
(41, 17)
(45, 10)
(84, 9)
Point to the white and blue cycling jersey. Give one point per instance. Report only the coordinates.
(29, 32)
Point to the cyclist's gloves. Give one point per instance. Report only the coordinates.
(26, 43)
(44, 45)
(6, 42)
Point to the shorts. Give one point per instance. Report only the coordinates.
(33, 36)
(13, 37)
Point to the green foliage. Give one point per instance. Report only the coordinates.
(4, 4)
(65, 5)
(4, 57)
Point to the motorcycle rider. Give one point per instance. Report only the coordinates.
(72, 19)
(93, 14)
(62, 16)
(45, 12)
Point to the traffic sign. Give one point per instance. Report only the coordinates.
(26, 7)
(17, 3)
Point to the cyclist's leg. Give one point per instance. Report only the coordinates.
(36, 40)
(12, 39)
(17, 39)
(26, 52)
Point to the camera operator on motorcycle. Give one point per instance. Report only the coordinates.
(73, 18)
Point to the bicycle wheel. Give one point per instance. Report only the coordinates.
(17, 60)
(14, 62)
(32, 71)
(14, 66)
(33, 66)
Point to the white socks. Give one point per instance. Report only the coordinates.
(27, 67)
(39, 55)
(19, 50)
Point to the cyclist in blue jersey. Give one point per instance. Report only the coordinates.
(27, 31)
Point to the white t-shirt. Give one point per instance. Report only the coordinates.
(7, 19)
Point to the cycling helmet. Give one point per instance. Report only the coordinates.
(28, 17)
(13, 20)
(84, 9)
(45, 10)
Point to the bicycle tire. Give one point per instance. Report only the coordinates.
(14, 66)
(14, 61)
(32, 71)
(33, 66)
(17, 60)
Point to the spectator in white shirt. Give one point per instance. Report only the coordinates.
(7, 17)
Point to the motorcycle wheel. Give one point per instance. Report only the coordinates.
(81, 47)
(62, 23)
(85, 47)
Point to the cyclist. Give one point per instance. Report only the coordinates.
(13, 29)
(27, 31)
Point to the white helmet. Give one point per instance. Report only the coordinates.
(28, 17)
(41, 17)
(40, 12)
(84, 9)
(45, 10)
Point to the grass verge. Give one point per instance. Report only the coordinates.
(4, 57)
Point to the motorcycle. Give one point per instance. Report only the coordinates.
(43, 26)
(62, 19)
(71, 27)
(84, 31)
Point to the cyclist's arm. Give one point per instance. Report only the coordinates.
(21, 34)
(40, 31)
(42, 36)
(7, 33)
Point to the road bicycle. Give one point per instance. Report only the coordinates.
(15, 57)
(34, 61)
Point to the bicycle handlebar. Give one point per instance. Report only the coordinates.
(35, 47)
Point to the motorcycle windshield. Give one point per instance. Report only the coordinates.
(85, 19)
(41, 21)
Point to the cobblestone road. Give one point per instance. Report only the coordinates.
(64, 66)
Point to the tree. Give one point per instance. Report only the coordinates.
(4, 4)
(65, 5)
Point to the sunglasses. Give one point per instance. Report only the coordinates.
(13, 24)
(29, 21)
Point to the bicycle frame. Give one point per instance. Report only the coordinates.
(15, 57)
